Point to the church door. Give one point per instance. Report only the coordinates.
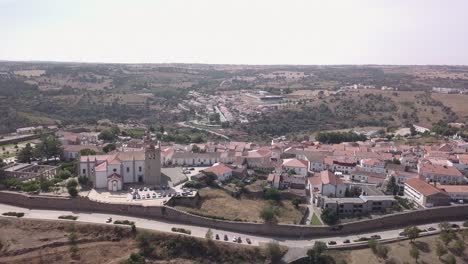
(114, 186)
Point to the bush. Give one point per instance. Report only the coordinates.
(17, 214)
(181, 230)
(72, 184)
(68, 217)
(124, 222)
(274, 252)
(73, 192)
(64, 174)
(268, 214)
(135, 258)
(329, 217)
(193, 184)
(272, 194)
(296, 202)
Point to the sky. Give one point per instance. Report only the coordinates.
(236, 31)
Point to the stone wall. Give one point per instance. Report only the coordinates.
(459, 212)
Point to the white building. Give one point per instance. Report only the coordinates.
(298, 166)
(425, 194)
(326, 184)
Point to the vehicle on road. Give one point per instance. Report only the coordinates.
(346, 241)
(402, 234)
(248, 241)
(454, 226)
(376, 237)
(431, 229)
(109, 220)
(234, 239)
(226, 238)
(239, 240)
(217, 237)
(331, 242)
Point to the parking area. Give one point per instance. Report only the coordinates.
(149, 193)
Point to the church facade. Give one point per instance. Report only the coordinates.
(112, 171)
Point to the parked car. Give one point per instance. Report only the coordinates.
(234, 239)
(248, 241)
(217, 237)
(109, 220)
(376, 237)
(346, 241)
(454, 226)
(226, 238)
(402, 234)
(331, 242)
(239, 240)
(432, 229)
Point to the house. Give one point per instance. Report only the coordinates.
(345, 166)
(358, 205)
(367, 176)
(402, 176)
(222, 171)
(316, 160)
(293, 181)
(456, 192)
(442, 174)
(299, 167)
(195, 159)
(372, 165)
(326, 184)
(425, 194)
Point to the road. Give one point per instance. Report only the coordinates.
(298, 247)
(204, 129)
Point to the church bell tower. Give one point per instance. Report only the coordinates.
(152, 161)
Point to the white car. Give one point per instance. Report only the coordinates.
(234, 239)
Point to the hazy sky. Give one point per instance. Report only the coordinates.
(236, 31)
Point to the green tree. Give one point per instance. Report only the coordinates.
(64, 174)
(86, 152)
(296, 202)
(450, 259)
(209, 234)
(316, 251)
(109, 147)
(412, 233)
(392, 186)
(274, 252)
(414, 253)
(25, 155)
(135, 258)
(440, 250)
(49, 147)
(459, 246)
(73, 191)
(272, 194)
(413, 131)
(446, 237)
(268, 214)
(72, 183)
(328, 216)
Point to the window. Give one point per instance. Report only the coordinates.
(139, 169)
(84, 171)
(115, 170)
(128, 169)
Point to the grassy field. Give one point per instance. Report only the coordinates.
(216, 202)
(315, 220)
(458, 103)
(399, 253)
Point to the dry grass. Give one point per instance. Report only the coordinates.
(458, 102)
(216, 202)
(399, 253)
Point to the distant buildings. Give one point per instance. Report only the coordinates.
(425, 194)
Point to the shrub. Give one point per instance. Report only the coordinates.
(72, 183)
(296, 202)
(73, 191)
(181, 230)
(64, 174)
(193, 184)
(329, 217)
(17, 214)
(268, 214)
(274, 252)
(68, 217)
(272, 194)
(135, 258)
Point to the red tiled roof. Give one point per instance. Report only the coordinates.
(328, 177)
(437, 169)
(423, 187)
(295, 163)
(218, 169)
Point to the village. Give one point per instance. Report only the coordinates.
(315, 183)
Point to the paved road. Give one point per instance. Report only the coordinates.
(298, 247)
(204, 129)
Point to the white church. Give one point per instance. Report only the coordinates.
(112, 171)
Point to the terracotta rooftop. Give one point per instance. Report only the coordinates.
(327, 177)
(219, 169)
(453, 188)
(437, 169)
(297, 163)
(423, 187)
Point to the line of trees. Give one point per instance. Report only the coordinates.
(338, 137)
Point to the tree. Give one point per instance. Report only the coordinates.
(73, 192)
(414, 253)
(87, 152)
(49, 147)
(209, 234)
(413, 130)
(272, 194)
(412, 233)
(316, 251)
(451, 259)
(267, 214)
(274, 252)
(72, 184)
(440, 249)
(135, 258)
(109, 147)
(64, 174)
(25, 155)
(392, 186)
(328, 216)
(459, 247)
(446, 237)
(444, 226)
(296, 202)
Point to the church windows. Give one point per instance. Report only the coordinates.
(128, 169)
(84, 171)
(139, 169)
(114, 170)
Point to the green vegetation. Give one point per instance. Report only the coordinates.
(68, 217)
(268, 214)
(13, 214)
(181, 230)
(315, 220)
(272, 194)
(412, 232)
(329, 217)
(338, 137)
(315, 254)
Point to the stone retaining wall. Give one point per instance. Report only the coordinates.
(459, 212)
